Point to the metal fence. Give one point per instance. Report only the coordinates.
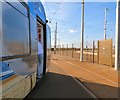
(90, 52)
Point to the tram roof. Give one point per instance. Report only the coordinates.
(37, 7)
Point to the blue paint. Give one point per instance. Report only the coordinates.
(4, 68)
(36, 8)
(6, 76)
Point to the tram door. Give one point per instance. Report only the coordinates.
(40, 48)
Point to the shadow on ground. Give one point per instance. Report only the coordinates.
(101, 90)
(54, 85)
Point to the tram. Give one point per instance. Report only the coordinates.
(19, 24)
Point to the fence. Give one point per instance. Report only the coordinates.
(91, 51)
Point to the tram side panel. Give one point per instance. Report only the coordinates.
(19, 52)
(19, 49)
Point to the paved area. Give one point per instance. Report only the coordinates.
(66, 76)
(58, 84)
(101, 80)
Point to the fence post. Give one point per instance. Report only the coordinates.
(67, 50)
(56, 49)
(98, 52)
(63, 50)
(111, 53)
(93, 50)
(72, 50)
(87, 54)
(59, 50)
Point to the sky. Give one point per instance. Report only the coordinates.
(68, 18)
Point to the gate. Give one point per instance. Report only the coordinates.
(105, 52)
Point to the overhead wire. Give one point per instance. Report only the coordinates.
(48, 10)
(56, 9)
(86, 21)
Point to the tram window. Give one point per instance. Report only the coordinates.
(15, 30)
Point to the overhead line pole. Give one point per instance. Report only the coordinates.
(55, 39)
(105, 23)
(117, 44)
(82, 33)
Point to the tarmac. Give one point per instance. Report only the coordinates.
(70, 78)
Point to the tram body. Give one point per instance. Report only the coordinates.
(19, 22)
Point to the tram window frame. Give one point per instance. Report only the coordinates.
(29, 37)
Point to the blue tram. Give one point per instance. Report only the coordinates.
(19, 24)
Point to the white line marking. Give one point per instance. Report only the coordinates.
(91, 72)
(77, 81)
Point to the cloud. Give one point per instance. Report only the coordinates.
(62, 30)
(72, 31)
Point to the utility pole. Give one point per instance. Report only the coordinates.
(82, 33)
(55, 39)
(117, 44)
(105, 23)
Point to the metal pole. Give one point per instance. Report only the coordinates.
(105, 23)
(59, 45)
(82, 33)
(55, 39)
(60, 49)
(93, 47)
(98, 52)
(67, 50)
(117, 44)
(72, 50)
